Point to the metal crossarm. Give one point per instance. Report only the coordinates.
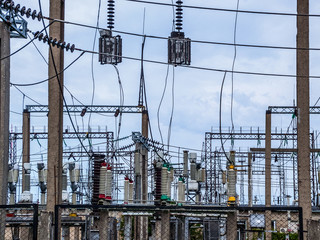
(91, 108)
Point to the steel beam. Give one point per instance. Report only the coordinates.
(89, 109)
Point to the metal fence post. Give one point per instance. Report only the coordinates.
(35, 221)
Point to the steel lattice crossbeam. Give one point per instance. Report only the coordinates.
(69, 135)
(291, 110)
(89, 109)
(250, 136)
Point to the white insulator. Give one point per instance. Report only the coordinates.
(183, 192)
(10, 176)
(224, 177)
(169, 183)
(137, 167)
(193, 157)
(164, 180)
(102, 183)
(180, 191)
(130, 198)
(232, 156)
(232, 183)
(45, 174)
(193, 171)
(15, 176)
(27, 167)
(77, 173)
(109, 184)
(126, 191)
(64, 179)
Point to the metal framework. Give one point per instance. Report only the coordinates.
(291, 110)
(18, 26)
(89, 109)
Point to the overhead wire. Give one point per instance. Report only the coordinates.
(46, 80)
(26, 95)
(214, 69)
(227, 10)
(92, 58)
(233, 64)
(172, 108)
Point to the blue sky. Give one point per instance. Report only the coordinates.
(196, 92)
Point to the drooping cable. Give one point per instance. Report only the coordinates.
(233, 64)
(161, 100)
(25, 95)
(172, 108)
(46, 80)
(92, 58)
(44, 59)
(220, 118)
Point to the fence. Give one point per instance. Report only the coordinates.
(79, 222)
(19, 221)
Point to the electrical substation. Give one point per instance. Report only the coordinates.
(88, 183)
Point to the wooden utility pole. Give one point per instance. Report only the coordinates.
(55, 116)
(303, 120)
(4, 110)
(26, 143)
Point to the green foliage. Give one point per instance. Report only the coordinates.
(282, 236)
(196, 232)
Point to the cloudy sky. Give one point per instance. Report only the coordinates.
(196, 92)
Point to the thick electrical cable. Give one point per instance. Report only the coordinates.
(233, 64)
(48, 79)
(214, 69)
(193, 41)
(92, 58)
(161, 100)
(220, 118)
(228, 10)
(172, 108)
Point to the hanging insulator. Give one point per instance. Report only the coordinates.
(179, 17)
(54, 42)
(17, 8)
(110, 14)
(23, 10)
(34, 14)
(28, 13)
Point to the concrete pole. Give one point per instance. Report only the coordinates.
(25, 143)
(268, 160)
(55, 116)
(232, 225)
(144, 156)
(268, 174)
(4, 110)
(249, 179)
(4, 120)
(303, 121)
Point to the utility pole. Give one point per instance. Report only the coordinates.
(4, 119)
(268, 174)
(55, 116)
(4, 109)
(303, 121)
(25, 143)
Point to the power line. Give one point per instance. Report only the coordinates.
(45, 80)
(194, 41)
(212, 69)
(228, 10)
